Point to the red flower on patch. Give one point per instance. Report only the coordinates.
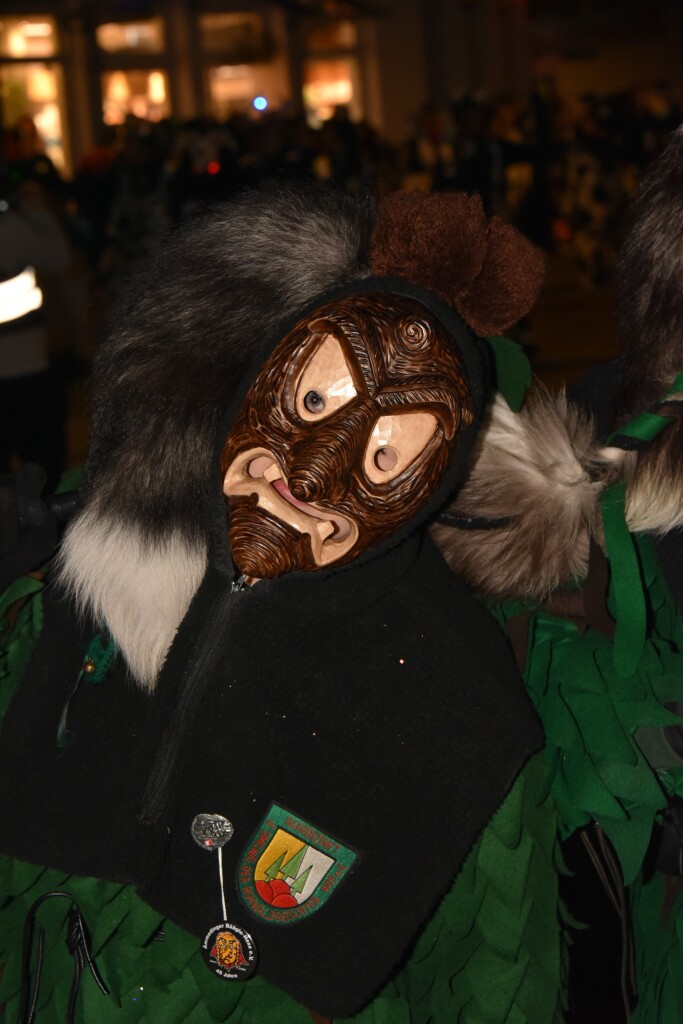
(277, 893)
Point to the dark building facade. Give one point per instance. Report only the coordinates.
(72, 65)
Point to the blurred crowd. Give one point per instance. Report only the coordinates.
(141, 177)
(561, 169)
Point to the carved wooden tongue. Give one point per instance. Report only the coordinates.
(342, 527)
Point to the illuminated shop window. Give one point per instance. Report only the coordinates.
(141, 93)
(238, 37)
(36, 90)
(34, 36)
(329, 84)
(332, 35)
(131, 36)
(231, 90)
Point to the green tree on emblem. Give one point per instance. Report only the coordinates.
(299, 883)
(291, 868)
(275, 867)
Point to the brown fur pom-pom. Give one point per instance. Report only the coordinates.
(486, 270)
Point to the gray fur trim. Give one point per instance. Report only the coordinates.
(183, 332)
(545, 467)
(185, 329)
(649, 283)
(654, 484)
(542, 466)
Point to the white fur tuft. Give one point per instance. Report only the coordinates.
(139, 590)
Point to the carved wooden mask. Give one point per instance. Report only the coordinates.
(344, 434)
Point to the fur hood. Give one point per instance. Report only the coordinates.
(538, 476)
(182, 333)
(182, 336)
(546, 467)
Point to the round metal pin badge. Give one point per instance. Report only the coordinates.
(211, 831)
(228, 950)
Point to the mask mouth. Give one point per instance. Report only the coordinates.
(257, 473)
(341, 526)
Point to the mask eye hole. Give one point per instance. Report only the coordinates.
(314, 402)
(385, 459)
(396, 441)
(326, 383)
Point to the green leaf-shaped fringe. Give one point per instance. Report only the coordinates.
(659, 948)
(480, 938)
(475, 935)
(501, 920)
(20, 626)
(590, 715)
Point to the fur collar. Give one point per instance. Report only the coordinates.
(182, 338)
(545, 469)
(140, 589)
(543, 466)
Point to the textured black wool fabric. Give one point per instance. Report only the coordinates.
(381, 707)
(377, 702)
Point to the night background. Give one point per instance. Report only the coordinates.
(123, 119)
(127, 117)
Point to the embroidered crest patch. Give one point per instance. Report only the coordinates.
(290, 868)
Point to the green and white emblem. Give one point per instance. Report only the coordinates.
(290, 868)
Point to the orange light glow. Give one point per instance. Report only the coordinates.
(141, 93)
(118, 90)
(27, 37)
(328, 84)
(156, 87)
(41, 85)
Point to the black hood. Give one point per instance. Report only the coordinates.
(188, 336)
(370, 715)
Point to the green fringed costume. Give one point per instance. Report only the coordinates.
(591, 714)
(604, 699)
(494, 953)
(491, 953)
(348, 315)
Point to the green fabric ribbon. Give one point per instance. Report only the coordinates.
(97, 661)
(646, 426)
(627, 585)
(513, 371)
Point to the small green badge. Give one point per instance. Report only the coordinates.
(95, 666)
(290, 868)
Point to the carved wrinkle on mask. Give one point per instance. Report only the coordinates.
(257, 474)
(343, 436)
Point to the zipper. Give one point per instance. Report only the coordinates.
(209, 642)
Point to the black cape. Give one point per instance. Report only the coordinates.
(372, 713)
